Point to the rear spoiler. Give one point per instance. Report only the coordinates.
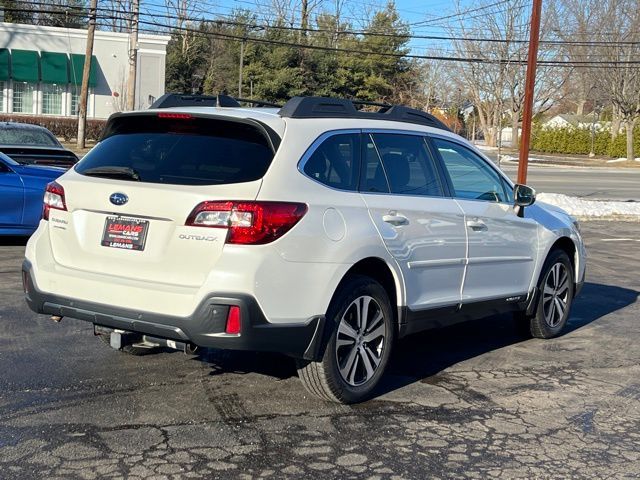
(269, 133)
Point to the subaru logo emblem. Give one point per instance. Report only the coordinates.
(118, 199)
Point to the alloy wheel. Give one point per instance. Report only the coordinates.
(360, 340)
(555, 294)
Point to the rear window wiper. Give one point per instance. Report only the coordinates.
(112, 171)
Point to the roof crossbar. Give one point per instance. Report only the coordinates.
(325, 107)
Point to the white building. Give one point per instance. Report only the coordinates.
(41, 70)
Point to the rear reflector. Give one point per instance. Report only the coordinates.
(25, 282)
(53, 198)
(233, 321)
(249, 223)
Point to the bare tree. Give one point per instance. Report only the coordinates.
(119, 15)
(620, 45)
(573, 22)
(496, 82)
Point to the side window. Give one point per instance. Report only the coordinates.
(508, 191)
(374, 178)
(470, 175)
(409, 167)
(336, 162)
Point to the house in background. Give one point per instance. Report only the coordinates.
(41, 70)
(575, 121)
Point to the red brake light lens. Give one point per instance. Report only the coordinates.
(175, 116)
(53, 198)
(249, 223)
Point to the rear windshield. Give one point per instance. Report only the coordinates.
(189, 151)
(26, 136)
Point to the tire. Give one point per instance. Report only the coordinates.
(129, 349)
(556, 290)
(356, 355)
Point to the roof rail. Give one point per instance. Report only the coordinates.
(325, 107)
(169, 100)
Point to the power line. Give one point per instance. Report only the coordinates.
(458, 59)
(375, 34)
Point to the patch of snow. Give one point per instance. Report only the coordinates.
(482, 146)
(580, 207)
(617, 160)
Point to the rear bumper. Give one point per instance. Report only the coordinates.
(205, 327)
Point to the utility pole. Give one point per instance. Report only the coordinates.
(133, 55)
(532, 60)
(241, 66)
(84, 89)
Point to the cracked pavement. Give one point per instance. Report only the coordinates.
(475, 400)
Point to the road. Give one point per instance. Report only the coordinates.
(478, 400)
(592, 183)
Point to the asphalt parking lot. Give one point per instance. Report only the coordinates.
(472, 401)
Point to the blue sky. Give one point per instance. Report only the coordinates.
(411, 11)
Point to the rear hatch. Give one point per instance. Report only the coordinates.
(129, 199)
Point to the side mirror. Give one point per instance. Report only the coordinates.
(523, 195)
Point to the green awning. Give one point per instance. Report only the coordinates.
(77, 64)
(54, 67)
(25, 65)
(4, 64)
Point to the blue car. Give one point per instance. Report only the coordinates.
(21, 192)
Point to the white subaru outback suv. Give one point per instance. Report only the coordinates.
(317, 230)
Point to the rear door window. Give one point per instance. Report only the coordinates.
(409, 167)
(180, 151)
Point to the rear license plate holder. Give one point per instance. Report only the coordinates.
(126, 233)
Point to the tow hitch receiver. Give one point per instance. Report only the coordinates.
(122, 338)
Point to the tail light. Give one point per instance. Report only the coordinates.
(53, 198)
(249, 223)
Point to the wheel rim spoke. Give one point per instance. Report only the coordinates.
(559, 308)
(346, 329)
(343, 342)
(378, 332)
(367, 364)
(364, 314)
(372, 355)
(348, 367)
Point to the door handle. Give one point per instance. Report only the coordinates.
(477, 225)
(395, 220)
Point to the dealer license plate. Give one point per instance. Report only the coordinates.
(124, 232)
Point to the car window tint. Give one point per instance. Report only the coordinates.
(193, 151)
(374, 178)
(471, 176)
(336, 162)
(409, 167)
(26, 136)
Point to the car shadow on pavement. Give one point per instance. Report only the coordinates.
(424, 355)
(13, 241)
